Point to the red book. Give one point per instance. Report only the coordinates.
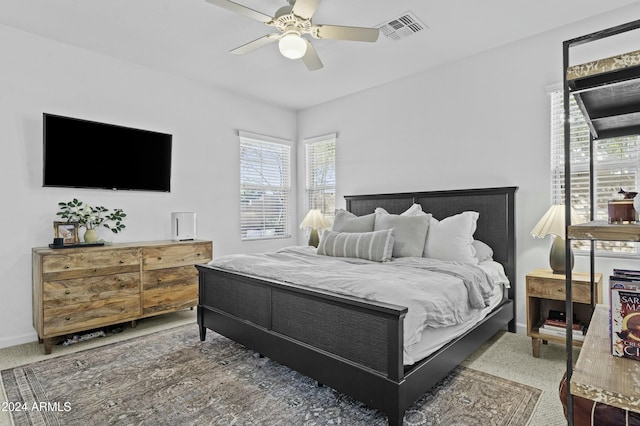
(558, 323)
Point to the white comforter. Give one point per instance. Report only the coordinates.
(436, 293)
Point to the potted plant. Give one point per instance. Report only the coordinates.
(91, 218)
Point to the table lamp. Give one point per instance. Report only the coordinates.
(314, 220)
(552, 223)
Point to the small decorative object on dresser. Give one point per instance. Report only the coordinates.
(68, 231)
(91, 218)
(546, 306)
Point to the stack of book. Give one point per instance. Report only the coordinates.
(558, 328)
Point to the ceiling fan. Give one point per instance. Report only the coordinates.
(293, 22)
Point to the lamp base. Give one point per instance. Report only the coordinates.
(557, 256)
(314, 239)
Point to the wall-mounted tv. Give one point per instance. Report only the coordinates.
(88, 154)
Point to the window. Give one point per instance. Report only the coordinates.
(264, 187)
(320, 163)
(615, 164)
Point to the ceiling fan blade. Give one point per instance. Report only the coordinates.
(311, 58)
(255, 44)
(335, 32)
(242, 10)
(305, 8)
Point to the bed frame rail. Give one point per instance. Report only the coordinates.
(361, 334)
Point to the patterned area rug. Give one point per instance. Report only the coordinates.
(170, 378)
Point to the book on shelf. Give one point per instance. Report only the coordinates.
(624, 314)
(563, 324)
(554, 331)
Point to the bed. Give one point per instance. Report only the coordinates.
(320, 333)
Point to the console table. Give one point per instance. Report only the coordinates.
(82, 288)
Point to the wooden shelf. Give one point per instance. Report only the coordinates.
(601, 230)
(600, 376)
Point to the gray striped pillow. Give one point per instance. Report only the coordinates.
(376, 245)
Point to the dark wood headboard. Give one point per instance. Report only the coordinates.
(496, 223)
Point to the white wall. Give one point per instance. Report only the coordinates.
(38, 75)
(481, 122)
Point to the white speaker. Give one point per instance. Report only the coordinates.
(183, 226)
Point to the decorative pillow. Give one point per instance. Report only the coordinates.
(452, 238)
(414, 210)
(348, 222)
(483, 251)
(376, 246)
(410, 232)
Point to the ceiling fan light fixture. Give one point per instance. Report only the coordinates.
(292, 46)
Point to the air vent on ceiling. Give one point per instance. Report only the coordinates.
(401, 27)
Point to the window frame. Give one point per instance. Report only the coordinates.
(281, 221)
(326, 192)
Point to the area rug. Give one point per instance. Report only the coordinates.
(170, 378)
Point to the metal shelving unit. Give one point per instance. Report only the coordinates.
(608, 94)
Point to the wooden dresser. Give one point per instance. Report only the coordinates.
(78, 289)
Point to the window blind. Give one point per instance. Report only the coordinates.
(615, 163)
(320, 165)
(264, 187)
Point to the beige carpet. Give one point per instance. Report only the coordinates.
(170, 377)
(508, 356)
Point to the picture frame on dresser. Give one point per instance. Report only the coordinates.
(68, 231)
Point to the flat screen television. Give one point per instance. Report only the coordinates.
(88, 154)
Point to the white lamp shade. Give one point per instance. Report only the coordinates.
(552, 223)
(292, 46)
(314, 220)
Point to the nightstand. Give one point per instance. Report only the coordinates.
(546, 291)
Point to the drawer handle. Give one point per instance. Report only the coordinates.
(122, 308)
(559, 290)
(66, 266)
(67, 318)
(67, 292)
(121, 261)
(122, 285)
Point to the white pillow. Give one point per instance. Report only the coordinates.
(452, 238)
(348, 222)
(483, 251)
(414, 210)
(409, 232)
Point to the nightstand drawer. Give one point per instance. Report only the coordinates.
(547, 289)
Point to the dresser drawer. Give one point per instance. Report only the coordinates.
(169, 277)
(85, 316)
(81, 263)
(165, 300)
(170, 289)
(90, 289)
(176, 255)
(555, 289)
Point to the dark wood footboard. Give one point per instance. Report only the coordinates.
(350, 344)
